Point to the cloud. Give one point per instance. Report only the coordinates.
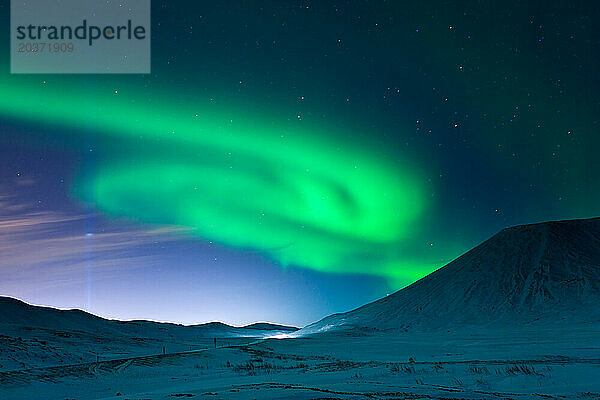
(16, 224)
(25, 181)
(7, 205)
(58, 247)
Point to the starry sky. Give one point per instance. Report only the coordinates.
(287, 160)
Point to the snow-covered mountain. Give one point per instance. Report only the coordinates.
(547, 273)
(33, 336)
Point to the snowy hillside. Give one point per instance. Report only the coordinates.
(32, 336)
(15, 313)
(546, 273)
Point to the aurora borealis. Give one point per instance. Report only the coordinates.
(357, 146)
(285, 191)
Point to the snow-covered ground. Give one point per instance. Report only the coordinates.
(469, 365)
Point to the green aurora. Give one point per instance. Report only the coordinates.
(285, 189)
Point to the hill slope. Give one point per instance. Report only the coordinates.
(32, 336)
(544, 273)
(16, 313)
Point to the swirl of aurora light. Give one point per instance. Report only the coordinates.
(289, 192)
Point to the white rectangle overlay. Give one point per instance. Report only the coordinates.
(80, 36)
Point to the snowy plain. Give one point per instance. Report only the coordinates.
(469, 365)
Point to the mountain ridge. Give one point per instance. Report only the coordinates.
(523, 274)
(14, 311)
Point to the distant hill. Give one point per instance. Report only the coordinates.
(15, 313)
(265, 326)
(35, 337)
(547, 273)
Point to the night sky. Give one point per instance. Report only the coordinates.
(291, 159)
